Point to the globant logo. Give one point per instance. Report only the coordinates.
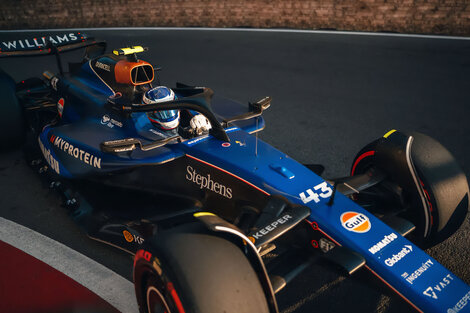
(400, 255)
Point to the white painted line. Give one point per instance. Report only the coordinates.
(113, 288)
(267, 30)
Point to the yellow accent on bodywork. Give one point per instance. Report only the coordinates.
(199, 214)
(129, 50)
(389, 133)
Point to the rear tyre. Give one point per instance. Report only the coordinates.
(11, 114)
(189, 270)
(443, 181)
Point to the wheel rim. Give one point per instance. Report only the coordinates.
(156, 302)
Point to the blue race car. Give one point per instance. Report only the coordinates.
(178, 178)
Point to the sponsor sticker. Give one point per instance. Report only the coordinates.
(226, 144)
(241, 144)
(326, 245)
(128, 236)
(206, 182)
(433, 291)
(156, 132)
(54, 82)
(410, 278)
(383, 243)
(395, 258)
(269, 228)
(103, 66)
(462, 303)
(53, 163)
(110, 122)
(60, 106)
(39, 42)
(76, 152)
(198, 139)
(355, 222)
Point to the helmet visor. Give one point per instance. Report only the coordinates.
(166, 116)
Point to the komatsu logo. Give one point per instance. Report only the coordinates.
(355, 222)
(76, 152)
(382, 243)
(205, 182)
(38, 42)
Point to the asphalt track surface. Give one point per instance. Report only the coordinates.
(332, 94)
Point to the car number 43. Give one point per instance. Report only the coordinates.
(319, 191)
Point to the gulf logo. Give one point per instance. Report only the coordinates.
(355, 222)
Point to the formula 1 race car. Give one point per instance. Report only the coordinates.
(200, 211)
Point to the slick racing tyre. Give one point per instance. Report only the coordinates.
(187, 269)
(11, 115)
(444, 185)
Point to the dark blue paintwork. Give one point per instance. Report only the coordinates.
(72, 148)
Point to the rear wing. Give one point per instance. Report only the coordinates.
(50, 44)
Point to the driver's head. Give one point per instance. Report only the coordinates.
(163, 119)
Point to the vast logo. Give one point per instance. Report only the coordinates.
(205, 182)
(355, 222)
(382, 243)
(395, 258)
(77, 153)
(433, 291)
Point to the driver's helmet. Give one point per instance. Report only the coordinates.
(163, 119)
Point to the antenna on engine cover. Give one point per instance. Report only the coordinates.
(332, 198)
